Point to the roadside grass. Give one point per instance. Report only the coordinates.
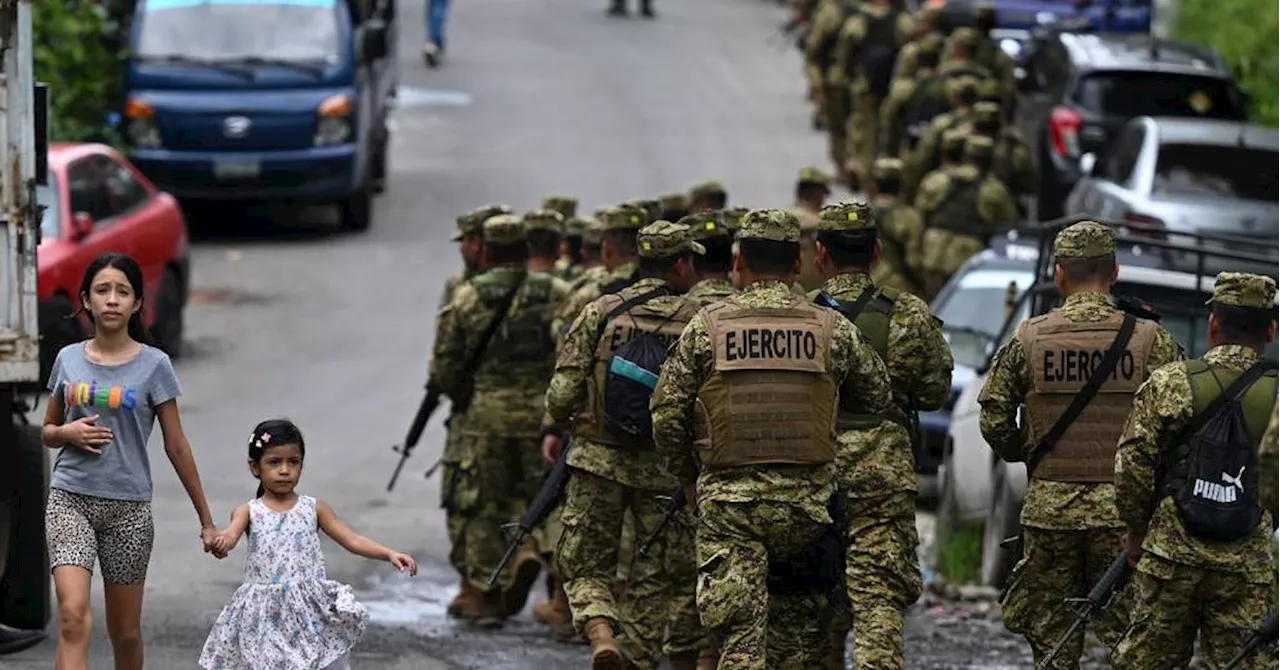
(1246, 33)
(960, 554)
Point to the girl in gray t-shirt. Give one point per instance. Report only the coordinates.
(105, 396)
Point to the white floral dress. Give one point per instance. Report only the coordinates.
(287, 615)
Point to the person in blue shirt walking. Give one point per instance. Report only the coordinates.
(436, 15)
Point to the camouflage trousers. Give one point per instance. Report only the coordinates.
(1174, 602)
(1060, 564)
(455, 523)
(657, 614)
(863, 133)
(835, 99)
(488, 489)
(882, 575)
(735, 544)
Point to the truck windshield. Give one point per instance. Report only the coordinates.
(232, 30)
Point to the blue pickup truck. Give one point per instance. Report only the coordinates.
(263, 100)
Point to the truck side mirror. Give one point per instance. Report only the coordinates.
(373, 40)
(82, 225)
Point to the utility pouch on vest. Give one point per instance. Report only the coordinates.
(1084, 396)
(468, 371)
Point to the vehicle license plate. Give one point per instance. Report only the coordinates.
(236, 168)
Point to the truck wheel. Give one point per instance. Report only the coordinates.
(357, 211)
(1002, 522)
(168, 328)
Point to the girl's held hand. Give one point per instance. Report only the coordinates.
(404, 562)
(209, 538)
(85, 434)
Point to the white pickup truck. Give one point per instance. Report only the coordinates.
(975, 485)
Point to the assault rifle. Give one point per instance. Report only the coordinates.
(546, 500)
(429, 404)
(1114, 579)
(675, 502)
(1264, 636)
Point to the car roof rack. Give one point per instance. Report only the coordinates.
(1149, 245)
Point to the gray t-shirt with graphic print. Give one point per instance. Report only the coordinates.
(124, 397)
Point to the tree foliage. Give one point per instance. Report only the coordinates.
(77, 54)
(1245, 33)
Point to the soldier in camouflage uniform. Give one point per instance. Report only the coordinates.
(1185, 584)
(1070, 529)
(675, 206)
(543, 232)
(569, 266)
(962, 91)
(763, 475)
(499, 430)
(707, 195)
(618, 255)
(877, 464)
(1268, 455)
(990, 56)
(652, 207)
(565, 205)
(589, 267)
(900, 230)
(907, 65)
(1011, 160)
(962, 207)
(470, 236)
(609, 476)
(812, 189)
(712, 267)
(904, 88)
(832, 94)
(868, 43)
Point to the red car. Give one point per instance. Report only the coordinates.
(97, 202)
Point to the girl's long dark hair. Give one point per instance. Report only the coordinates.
(133, 273)
(273, 433)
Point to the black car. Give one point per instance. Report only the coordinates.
(1080, 89)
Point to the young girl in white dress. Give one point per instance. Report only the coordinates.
(288, 615)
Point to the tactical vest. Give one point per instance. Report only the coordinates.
(618, 330)
(1002, 159)
(873, 322)
(771, 397)
(522, 347)
(877, 53)
(1061, 355)
(958, 212)
(826, 56)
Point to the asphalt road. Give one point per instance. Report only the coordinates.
(334, 330)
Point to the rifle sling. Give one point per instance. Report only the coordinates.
(499, 315)
(1084, 396)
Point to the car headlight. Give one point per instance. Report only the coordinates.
(334, 125)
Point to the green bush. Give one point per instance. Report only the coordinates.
(1245, 33)
(960, 554)
(75, 54)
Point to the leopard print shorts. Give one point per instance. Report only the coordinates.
(117, 533)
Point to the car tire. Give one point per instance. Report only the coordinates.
(1001, 522)
(168, 329)
(357, 211)
(57, 330)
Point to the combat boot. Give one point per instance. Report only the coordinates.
(555, 613)
(646, 9)
(492, 611)
(708, 663)
(617, 8)
(687, 660)
(524, 572)
(465, 605)
(604, 651)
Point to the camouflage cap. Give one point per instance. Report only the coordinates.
(847, 215)
(621, 218)
(472, 223)
(652, 207)
(674, 202)
(989, 90)
(591, 229)
(967, 36)
(732, 218)
(960, 85)
(642, 206)
(886, 167)
(662, 239)
(986, 113)
(1242, 289)
(544, 219)
(1087, 239)
(777, 225)
(503, 229)
(566, 205)
(574, 226)
(705, 188)
(953, 140)
(812, 175)
(978, 146)
(706, 225)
